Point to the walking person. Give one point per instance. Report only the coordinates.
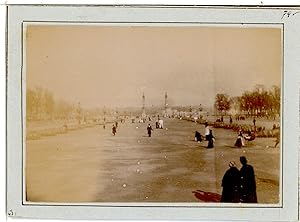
(161, 124)
(231, 184)
(198, 137)
(114, 130)
(210, 139)
(239, 141)
(149, 129)
(247, 181)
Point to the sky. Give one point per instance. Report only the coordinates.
(113, 65)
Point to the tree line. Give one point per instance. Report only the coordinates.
(41, 105)
(258, 102)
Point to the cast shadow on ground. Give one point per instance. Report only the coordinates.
(207, 196)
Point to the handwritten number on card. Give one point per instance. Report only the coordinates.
(10, 213)
(288, 14)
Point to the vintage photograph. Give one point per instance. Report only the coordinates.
(137, 113)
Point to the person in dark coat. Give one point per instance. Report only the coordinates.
(114, 130)
(210, 139)
(247, 181)
(149, 129)
(198, 137)
(231, 184)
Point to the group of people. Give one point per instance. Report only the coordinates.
(209, 137)
(239, 186)
(159, 124)
(240, 138)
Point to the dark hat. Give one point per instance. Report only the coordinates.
(243, 160)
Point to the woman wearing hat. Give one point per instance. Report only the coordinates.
(210, 139)
(239, 141)
(231, 184)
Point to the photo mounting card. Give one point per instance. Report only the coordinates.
(152, 112)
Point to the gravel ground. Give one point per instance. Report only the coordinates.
(92, 165)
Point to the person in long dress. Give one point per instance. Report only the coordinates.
(198, 137)
(114, 130)
(210, 139)
(161, 123)
(239, 141)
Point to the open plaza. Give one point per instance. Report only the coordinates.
(92, 165)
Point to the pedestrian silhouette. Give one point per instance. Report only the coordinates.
(198, 137)
(210, 139)
(149, 129)
(239, 141)
(114, 130)
(248, 184)
(231, 184)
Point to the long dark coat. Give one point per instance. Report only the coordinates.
(248, 184)
(198, 136)
(210, 139)
(149, 129)
(231, 185)
(114, 130)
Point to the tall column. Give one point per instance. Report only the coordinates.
(143, 107)
(166, 103)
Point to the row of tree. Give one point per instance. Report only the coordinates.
(259, 102)
(41, 105)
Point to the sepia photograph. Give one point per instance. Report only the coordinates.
(152, 113)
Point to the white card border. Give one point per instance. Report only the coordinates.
(18, 14)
